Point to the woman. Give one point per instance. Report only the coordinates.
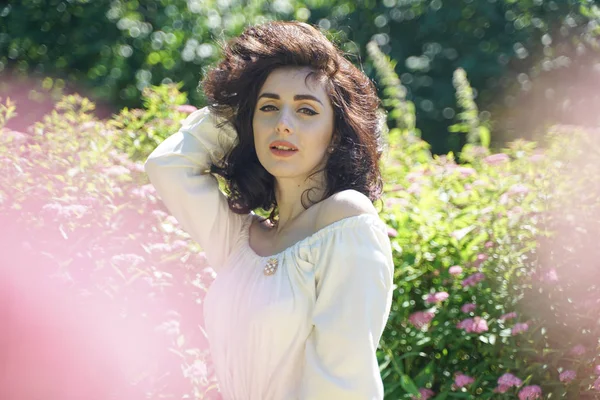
(301, 298)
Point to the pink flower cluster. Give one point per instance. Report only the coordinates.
(461, 380)
(455, 270)
(468, 307)
(567, 376)
(578, 350)
(519, 328)
(473, 325)
(436, 297)
(424, 394)
(506, 381)
(473, 280)
(530, 393)
(421, 318)
(508, 316)
(596, 384)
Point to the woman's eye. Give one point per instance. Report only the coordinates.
(308, 111)
(264, 108)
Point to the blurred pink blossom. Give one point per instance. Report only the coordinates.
(518, 188)
(473, 279)
(392, 232)
(143, 191)
(186, 108)
(578, 350)
(534, 158)
(424, 394)
(596, 384)
(510, 315)
(530, 392)
(496, 159)
(480, 259)
(436, 297)
(489, 244)
(468, 307)
(597, 370)
(519, 327)
(509, 379)
(461, 380)
(567, 375)
(117, 170)
(501, 389)
(473, 325)
(465, 172)
(455, 270)
(421, 318)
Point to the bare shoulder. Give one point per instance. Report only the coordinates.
(344, 204)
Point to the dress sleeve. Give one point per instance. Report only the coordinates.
(354, 293)
(179, 170)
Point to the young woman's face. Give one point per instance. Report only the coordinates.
(295, 110)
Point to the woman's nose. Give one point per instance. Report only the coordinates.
(284, 124)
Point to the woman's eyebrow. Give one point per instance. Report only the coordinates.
(296, 97)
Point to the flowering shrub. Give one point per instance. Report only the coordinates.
(79, 217)
(495, 259)
(497, 286)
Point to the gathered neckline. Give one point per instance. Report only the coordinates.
(317, 234)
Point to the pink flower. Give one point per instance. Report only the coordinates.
(489, 244)
(461, 380)
(509, 380)
(465, 172)
(501, 389)
(518, 189)
(455, 270)
(436, 297)
(496, 159)
(519, 327)
(506, 384)
(143, 191)
(473, 325)
(420, 318)
(392, 232)
(473, 279)
(186, 108)
(468, 307)
(578, 350)
(506, 381)
(508, 316)
(424, 394)
(479, 325)
(535, 158)
(480, 259)
(567, 375)
(596, 384)
(530, 392)
(597, 370)
(117, 170)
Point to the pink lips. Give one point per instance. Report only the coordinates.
(282, 143)
(283, 153)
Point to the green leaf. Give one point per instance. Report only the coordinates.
(408, 385)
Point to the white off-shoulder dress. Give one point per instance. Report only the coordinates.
(309, 331)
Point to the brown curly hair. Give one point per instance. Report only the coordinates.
(232, 88)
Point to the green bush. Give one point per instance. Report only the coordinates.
(495, 257)
(81, 214)
(487, 281)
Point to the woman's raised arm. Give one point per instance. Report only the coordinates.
(179, 170)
